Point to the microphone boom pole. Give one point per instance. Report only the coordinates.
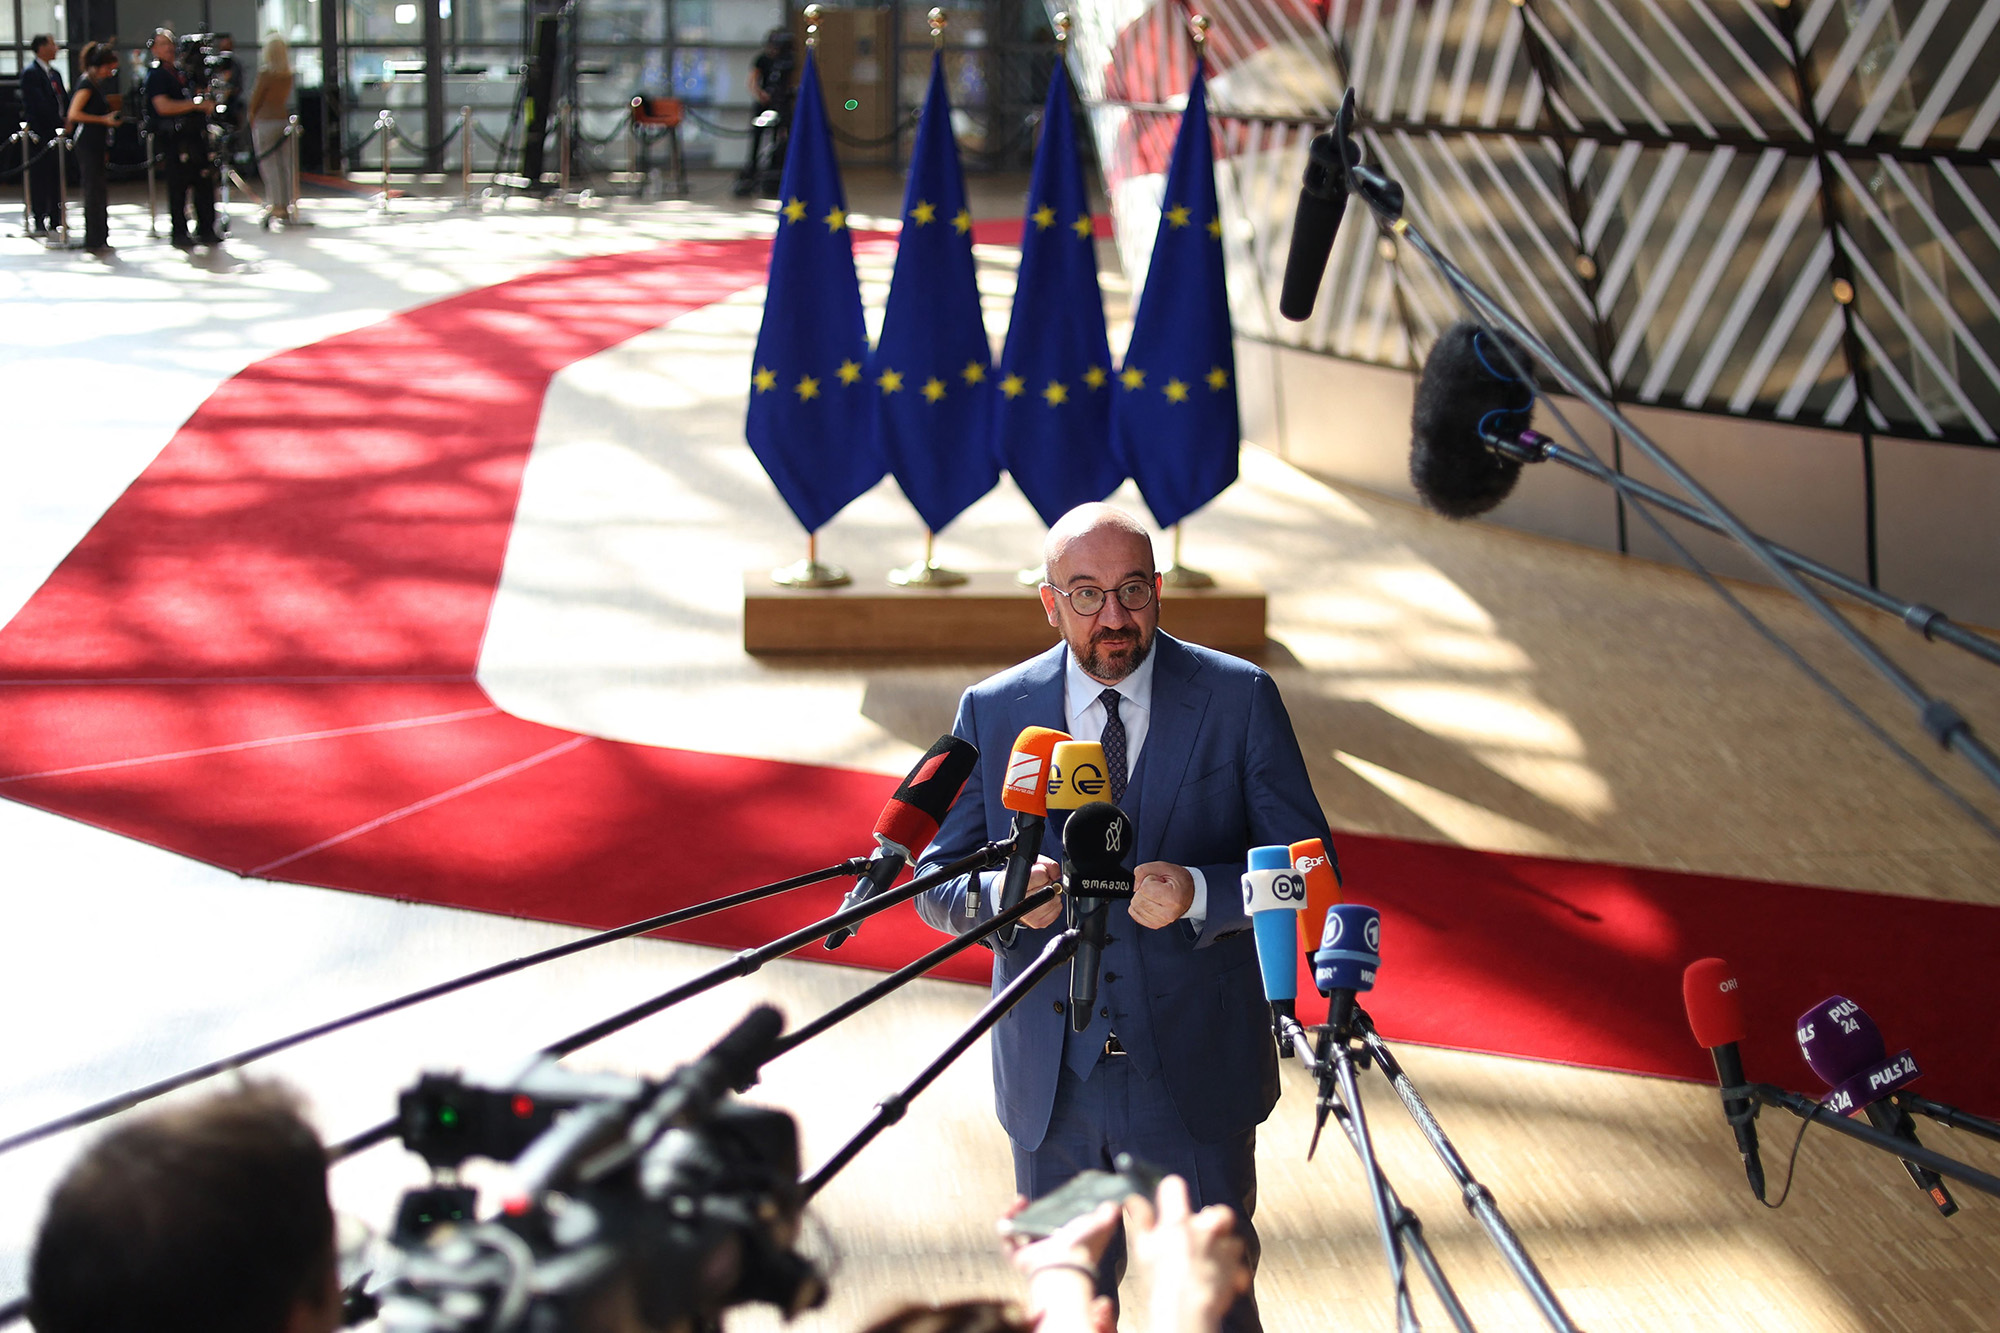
(891, 1109)
(125, 1101)
(1805, 1108)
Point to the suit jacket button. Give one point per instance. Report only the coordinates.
(1104, 1013)
(1111, 976)
(1058, 1006)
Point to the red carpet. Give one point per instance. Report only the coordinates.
(262, 657)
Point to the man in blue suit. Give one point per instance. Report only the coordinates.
(1178, 1065)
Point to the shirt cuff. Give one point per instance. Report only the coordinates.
(1197, 912)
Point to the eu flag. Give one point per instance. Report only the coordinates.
(932, 369)
(808, 420)
(1052, 416)
(1174, 413)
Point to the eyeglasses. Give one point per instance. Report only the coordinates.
(1087, 601)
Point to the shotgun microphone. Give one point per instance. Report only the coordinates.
(1026, 793)
(1096, 841)
(1844, 1047)
(910, 819)
(1715, 1012)
(1322, 202)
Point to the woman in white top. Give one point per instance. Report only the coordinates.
(270, 102)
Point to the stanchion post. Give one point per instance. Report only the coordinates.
(62, 187)
(465, 155)
(565, 115)
(385, 125)
(292, 160)
(26, 138)
(152, 185)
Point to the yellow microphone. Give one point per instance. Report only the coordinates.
(1078, 775)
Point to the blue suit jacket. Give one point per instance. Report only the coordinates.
(1220, 773)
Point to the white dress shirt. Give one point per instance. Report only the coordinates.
(1085, 711)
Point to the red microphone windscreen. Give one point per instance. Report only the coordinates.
(1714, 1004)
(912, 816)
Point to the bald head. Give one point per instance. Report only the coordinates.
(1088, 521)
(1098, 547)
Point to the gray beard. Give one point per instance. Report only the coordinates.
(1097, 668)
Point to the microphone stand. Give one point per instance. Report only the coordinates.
(1805, 1108)
(125, 1101)
(1398, 1224)
(1939, 719)
(1479, 1200)
(742, 965)
(892, 1109)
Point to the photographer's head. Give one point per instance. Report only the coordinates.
(207, 1218)
(162, 45)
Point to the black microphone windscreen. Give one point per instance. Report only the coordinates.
(1466, 392)
(1098, 834)
(934, 783)
(1313, 229)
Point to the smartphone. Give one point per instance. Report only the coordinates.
(1081, 1195)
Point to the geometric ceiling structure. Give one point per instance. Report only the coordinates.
(1782, 212)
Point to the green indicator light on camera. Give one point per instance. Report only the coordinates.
(852, 105)
(447, 1116)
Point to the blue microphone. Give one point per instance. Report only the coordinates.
(1273, 894)
(1349, 952)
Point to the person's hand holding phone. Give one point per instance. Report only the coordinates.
(1061, 1271)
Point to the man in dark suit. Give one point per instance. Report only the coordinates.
(1178, 1065)
(44, 103)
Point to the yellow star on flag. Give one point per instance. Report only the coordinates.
(1177, 216)
(1132, 377)
(1176, 391)
(1082, 227)
(849, 371)
(924, 212)
(963, 222)
(1215, 228)
(836, 219)
(1095, 377)
(889, 380)
(1056, 393)
(1218, 378)
(1013, 385)
(933, 389)
(807, 388)
(764, 379)
(795, 211)
(974, 373)
(1045, 217)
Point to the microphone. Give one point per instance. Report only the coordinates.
(1095, 842)
(1715, 1012)
(1467, 398)
(1349, 952)
(1845, 1049)
(910, 820)
(1273, 893)
(1077, 772)
(1026, 793)
(1321, 872)
(1322, 202)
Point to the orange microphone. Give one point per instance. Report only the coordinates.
(1315, 865)
(1026, 793)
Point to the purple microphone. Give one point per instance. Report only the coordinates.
(1845, 1048)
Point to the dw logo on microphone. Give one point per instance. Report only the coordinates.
(1288, 888)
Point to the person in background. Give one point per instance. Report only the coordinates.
(93, 114)
(43, 101)
(208, 1217)
(181, 114)
(270, 108)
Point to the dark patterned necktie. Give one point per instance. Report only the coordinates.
(1114, 745)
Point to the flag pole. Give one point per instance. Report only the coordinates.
(1033, 578)
(1176, 574)
(928, 573)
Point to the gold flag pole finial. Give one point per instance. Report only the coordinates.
(937, 21)
(1062, 32)
(1198, 25)
(812, 13)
